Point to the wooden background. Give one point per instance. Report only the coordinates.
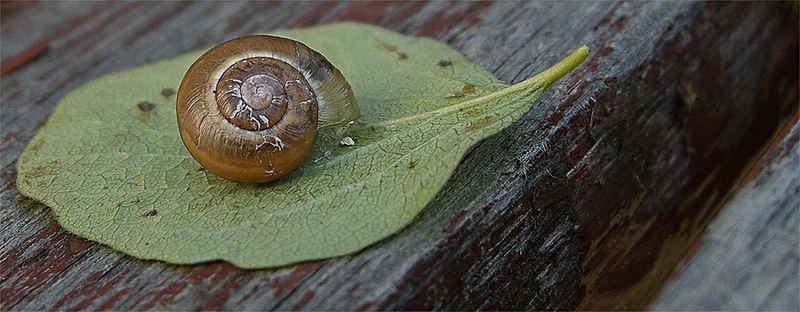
(598, 198)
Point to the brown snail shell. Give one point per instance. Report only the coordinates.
(251, 109)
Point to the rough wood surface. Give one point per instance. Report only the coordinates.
(755, 235)
(589, 202)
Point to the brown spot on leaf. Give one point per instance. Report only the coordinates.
(145, 106)
(48, 169)
(35, 146)
(480, 123)
(444, 63)
(167, 92)
(412, 164)
(466, 89)
(151, 213)
(393, 48)
(389, 47)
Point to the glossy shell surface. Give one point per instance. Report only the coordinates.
(249, 109)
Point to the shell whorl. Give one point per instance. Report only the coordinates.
(249, 109)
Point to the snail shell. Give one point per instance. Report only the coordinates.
(251, 109)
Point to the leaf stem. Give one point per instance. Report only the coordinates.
(540, 81)
(555, 72)
(564, 66)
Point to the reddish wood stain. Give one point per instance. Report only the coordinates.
(86, 43)
(249, 294)
(579, 150)
(314, 14)
(209, 275)
(51, 261)
(8, 137)
(95, 292)
(352, 289)
(163, 296)
(285, 283)
(78, 291)
(18, 60)
(364, 306)
(110, 304)
(595, 58)
(465, 17)
(218, 298)
(455, 221)
(307, 296)
(365, 12)
(9, 7)
(408, 9)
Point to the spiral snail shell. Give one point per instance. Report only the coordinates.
(252, 109)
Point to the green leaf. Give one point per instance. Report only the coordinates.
(111, 164)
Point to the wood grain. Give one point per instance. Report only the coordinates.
(588, 202)
(755, 235)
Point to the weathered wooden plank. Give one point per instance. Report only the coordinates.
(588, 202)
(749, 259)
